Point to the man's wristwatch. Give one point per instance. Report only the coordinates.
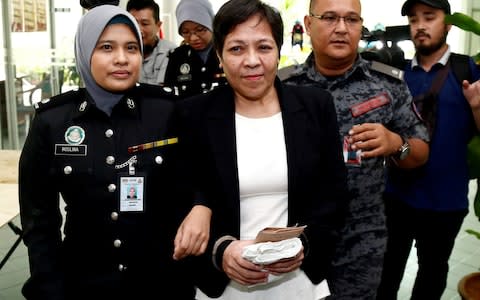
(404, 150)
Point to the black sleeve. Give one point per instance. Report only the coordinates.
(40, 215)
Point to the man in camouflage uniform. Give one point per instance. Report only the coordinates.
(378, 126)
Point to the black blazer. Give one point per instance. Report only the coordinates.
(317, 190)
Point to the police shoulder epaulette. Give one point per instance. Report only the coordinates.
(55, 101)
(171, 51)
(387, 70)
(288, 72)
(181, 49)
(156, 91)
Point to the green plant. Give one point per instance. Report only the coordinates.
(469, 24)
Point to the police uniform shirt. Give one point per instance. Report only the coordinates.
(359, 85)
(75, 149)
(363, 95)
(188, 75)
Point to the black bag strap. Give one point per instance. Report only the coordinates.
(426, 103)
(461, 67)
(439, 79)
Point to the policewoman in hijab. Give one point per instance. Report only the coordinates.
(193, 67)
(89, 147)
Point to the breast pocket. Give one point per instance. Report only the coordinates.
(73, 168)
(156, 161)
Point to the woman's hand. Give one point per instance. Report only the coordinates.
(238, 268)
(286, 265)
(193, 234)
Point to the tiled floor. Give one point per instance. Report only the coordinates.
(465, 259)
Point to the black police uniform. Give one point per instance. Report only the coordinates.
(107, 253)
(188, 75)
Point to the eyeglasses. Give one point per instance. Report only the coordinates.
(198, 32)
(332, 19)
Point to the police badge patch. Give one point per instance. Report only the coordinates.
(185, 68)
(74, 135)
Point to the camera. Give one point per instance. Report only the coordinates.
(390, 54)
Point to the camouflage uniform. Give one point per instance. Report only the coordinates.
(359, 257)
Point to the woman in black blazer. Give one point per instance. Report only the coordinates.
(263, 154)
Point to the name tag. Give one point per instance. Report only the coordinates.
(370, 104)
(70, 150)
(184, 78)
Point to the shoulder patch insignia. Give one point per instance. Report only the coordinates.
(387, 70)
(288, 72)
(55, 100)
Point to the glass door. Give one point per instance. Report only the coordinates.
(37, 47)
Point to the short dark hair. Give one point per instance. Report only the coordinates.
(142, 4)
(235, 12)
(89, 4)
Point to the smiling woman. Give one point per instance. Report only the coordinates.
(116, 62)
(258, 124)
(78, 148)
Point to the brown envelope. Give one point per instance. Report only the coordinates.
(275, 234)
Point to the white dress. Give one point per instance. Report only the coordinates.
(263, 180)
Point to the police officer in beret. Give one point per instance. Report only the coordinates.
(90, 147)
(193, 67)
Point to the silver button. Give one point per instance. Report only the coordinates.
(109, 133)
(158, 160)
(203, 85)
(203, 69)
(112, 187)
(117, 243)
(122, 267)
(67, 170)
(114, 216)
(110, 160)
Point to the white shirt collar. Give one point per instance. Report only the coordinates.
(443, 60)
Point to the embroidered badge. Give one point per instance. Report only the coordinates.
(370, 104)
(74, 135)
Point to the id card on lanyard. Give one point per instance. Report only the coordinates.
(132, 196)
(132, 191)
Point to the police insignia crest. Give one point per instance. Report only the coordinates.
(74, 135)
(185, 69)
